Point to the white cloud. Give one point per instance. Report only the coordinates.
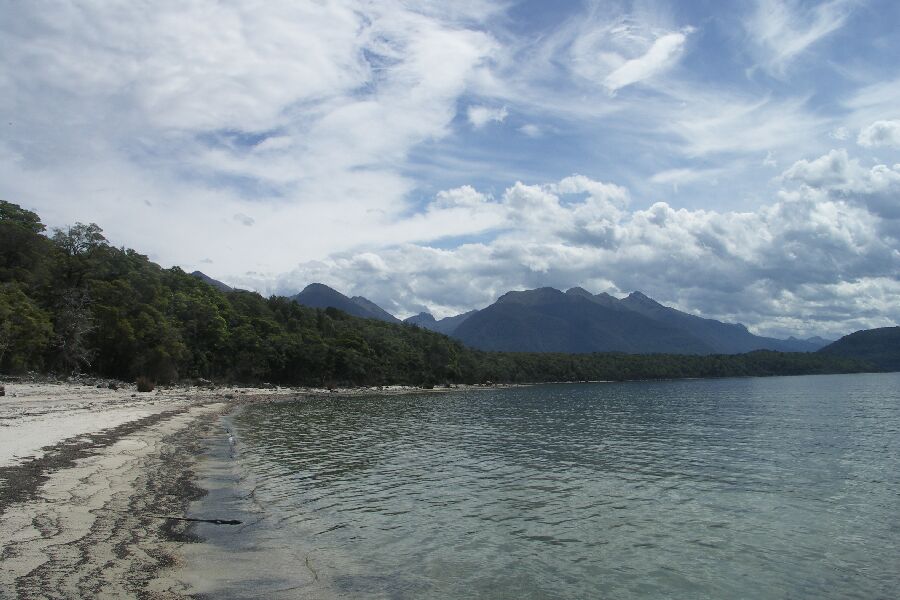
(662, 54)
(832, 170)
(531, 130)
(842, 177)
(618, 52)
(839, 133)
(154, 119)
(464, 196)
(784, 269)
(719, 122)
(880, 133)
(479, 116)
(677, 177)
(296, 114)
(785, 29)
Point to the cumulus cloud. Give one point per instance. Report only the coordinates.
(479, 116)
(784, 269)
(880, 133)
(841, 177)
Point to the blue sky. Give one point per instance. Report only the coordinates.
(738, 160)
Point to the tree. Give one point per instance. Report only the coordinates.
(14, 214)
(25, 330)
(72, 323)
(79, 239)
(23, 251)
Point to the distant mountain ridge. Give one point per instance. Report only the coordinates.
(319, 295)
(547, 319)
(574, 321)
(880, 347)
(447, 325)
(723, 338)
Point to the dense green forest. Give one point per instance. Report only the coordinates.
(70, 302)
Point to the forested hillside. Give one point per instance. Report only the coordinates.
(880, 347)
(70, 302)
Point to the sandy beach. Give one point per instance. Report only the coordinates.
(89, 478)
(94, 483)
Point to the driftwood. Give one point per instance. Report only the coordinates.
(213, 521)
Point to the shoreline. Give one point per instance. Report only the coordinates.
(96, 483)
(89, 515)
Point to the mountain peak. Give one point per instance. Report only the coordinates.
(222, 287)
(319, 287)
(579, 291)
(421, 319)
(543, 294)
(319, 295)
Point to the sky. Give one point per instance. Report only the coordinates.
(739, 160)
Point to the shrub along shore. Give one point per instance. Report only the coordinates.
(70, 302)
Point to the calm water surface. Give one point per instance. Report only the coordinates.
(741, 488)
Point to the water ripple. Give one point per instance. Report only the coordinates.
(752, 488)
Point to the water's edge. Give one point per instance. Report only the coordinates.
(671, 489)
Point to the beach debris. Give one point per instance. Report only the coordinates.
(144, 384)
(213, 521)
(2, 391)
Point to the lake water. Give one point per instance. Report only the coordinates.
(782, 487)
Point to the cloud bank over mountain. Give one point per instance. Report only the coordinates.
(742, 163)
(820, 257)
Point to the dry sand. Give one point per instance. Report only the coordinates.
(91, 478)
(88, 478)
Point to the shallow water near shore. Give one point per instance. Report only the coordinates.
(751, 488)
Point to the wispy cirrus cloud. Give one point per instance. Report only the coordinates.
(295, 114)
(479, 116)
(782, 30)
(662, 54)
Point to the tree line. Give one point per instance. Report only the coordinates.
(72, 303)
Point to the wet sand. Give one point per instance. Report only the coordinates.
(88, 480)
(95, 482)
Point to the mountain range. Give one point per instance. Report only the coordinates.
(318, 295)
(575, 321)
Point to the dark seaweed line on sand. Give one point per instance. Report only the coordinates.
(166, 484)
(21, 482)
